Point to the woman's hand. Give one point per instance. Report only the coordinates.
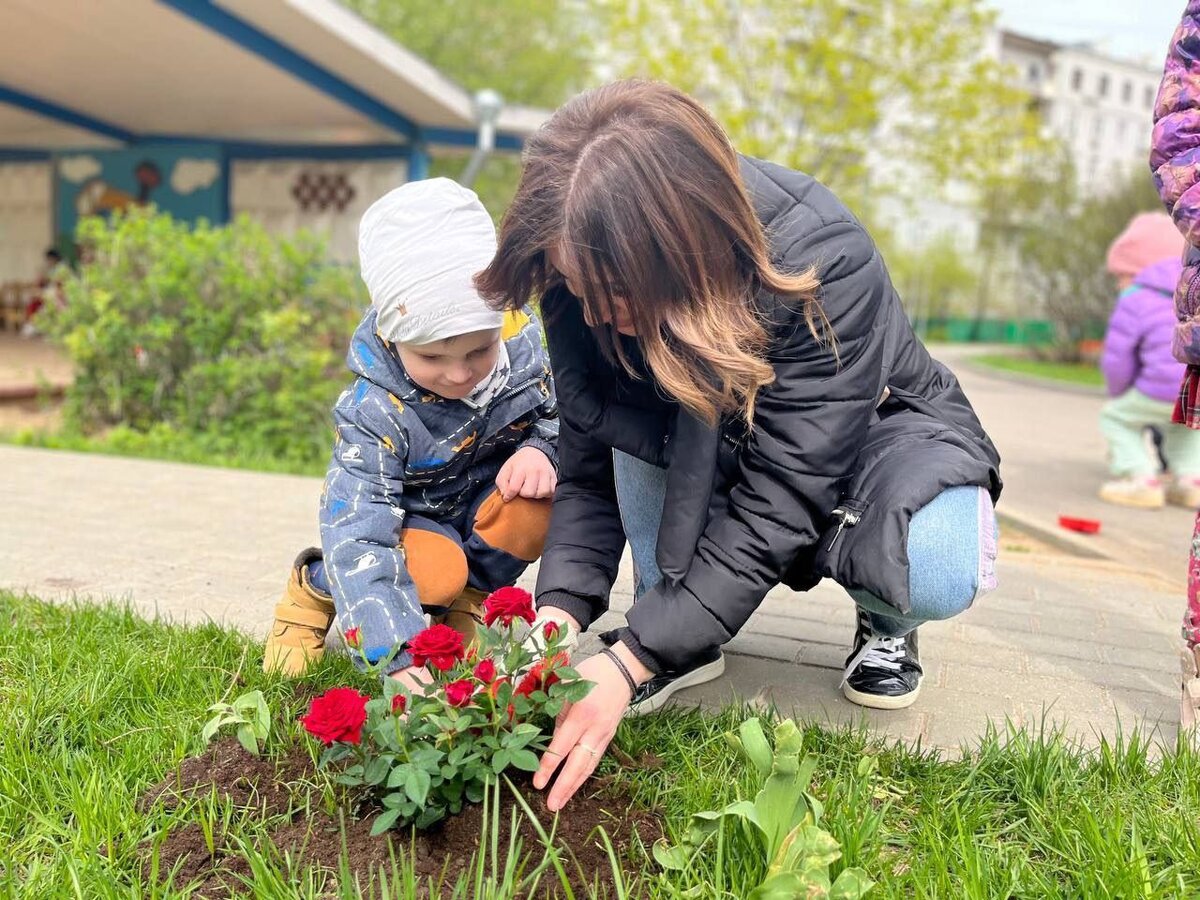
(584, 729)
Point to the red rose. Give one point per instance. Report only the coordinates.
(493, 689)
(337, 715)
(458, 693)
(550, 630)
(507, 604)
(399, 702)
(439, 645)
(353, 638)
(527, 685)
(486, 671)
(541, 677)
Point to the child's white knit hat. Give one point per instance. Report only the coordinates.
(419, 248)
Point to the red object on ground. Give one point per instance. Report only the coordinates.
(1083, 526)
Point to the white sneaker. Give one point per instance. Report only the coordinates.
(1184, 492)
(1141, 493)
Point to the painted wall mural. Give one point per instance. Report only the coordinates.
(182, 179)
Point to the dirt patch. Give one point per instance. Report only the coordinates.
(244, 780)
(274, 787)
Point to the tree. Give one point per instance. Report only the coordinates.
(876, 100)
(935, 280)
(534, 52)
(1063, 253)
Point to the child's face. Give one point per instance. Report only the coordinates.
(451, 368)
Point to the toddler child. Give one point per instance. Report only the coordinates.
(444, 462)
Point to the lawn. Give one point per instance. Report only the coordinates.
(1070, 373)
(97, 705)
(164, 443)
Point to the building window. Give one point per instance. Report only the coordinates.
(1148, 97)
(1103, 86)
(1035, 73)
(1127, 92)
(1077, 80)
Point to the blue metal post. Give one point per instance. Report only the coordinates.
(418, 162)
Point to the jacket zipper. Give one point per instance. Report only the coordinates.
(510, 393)
(847, 518)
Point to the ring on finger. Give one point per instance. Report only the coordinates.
(592, 750)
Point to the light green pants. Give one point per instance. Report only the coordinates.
(1124, 420)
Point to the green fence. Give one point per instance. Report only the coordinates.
(962, 330)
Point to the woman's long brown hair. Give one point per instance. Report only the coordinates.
(638, 188)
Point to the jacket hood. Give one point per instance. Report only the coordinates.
(1161, 276)
(372, 359)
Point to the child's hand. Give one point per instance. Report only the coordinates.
(528, 473)
(414, 678)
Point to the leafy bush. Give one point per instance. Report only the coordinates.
(226, 332)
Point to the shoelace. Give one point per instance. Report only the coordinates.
(878, 653)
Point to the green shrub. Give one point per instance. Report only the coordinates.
(225, 333)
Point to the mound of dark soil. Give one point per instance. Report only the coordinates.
(274, 789)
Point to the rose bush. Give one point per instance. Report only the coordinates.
(487, 708)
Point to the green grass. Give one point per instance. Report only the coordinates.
(96, 705)
(1071, 373)
(164, 443)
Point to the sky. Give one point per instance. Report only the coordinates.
(1136, 29)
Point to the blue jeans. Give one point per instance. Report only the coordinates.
(951, 547)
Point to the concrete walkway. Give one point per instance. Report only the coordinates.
(1054, 462)
(1082, 641)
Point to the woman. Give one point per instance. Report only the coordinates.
(741, 398)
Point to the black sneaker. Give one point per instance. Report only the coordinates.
(654, 694)
(882, 672)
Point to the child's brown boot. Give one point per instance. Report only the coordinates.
(464, 614)
(302, 618)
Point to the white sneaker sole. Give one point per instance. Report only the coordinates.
(708, 672)
(1147, 500)
(879, 701)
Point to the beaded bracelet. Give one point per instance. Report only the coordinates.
(623, 669)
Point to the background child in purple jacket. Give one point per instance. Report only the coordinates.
(1143, 376)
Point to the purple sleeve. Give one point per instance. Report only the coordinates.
(1175, 147)
(1120, 360)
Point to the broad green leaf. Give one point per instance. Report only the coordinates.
(429, 816)
(525, 760)
(786, 886)
(500, 761)
(377, 770)
(399, 775)
(755, 745)
(781, 807)
(416, 785)
(245, 736)
(210, 729)
(384, 821)
(705, 823)
(851, 885)
(673, 859)
(807, 847)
